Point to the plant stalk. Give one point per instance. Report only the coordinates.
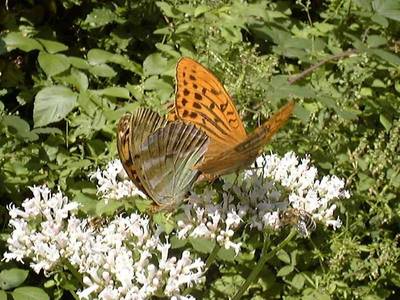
(260, 265)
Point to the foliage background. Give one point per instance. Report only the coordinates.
(69, 69)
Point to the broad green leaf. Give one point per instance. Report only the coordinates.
(226, 254)
(387, 8)
(47, 130)
(109, 208)
(298, 281)
(385, 121)
(79, 79)
(19, 127)
(3, 295)
(126, 63)
(98, 56)
(88, 204)
(12, 278)
(160, 86)
(168, 49)
(166, 223)
(15, 40)
(156, 64)
(102, 71)
(302, 113)
(381, 20)
(168, 9)
(53, 64)
(374, 40)
(100, 17)
(202, 245)
(118, 92)
(53, 46)
(177, 243)
(52, 104)
(286, 270)
(387, 56)
(78, 63)
(283, 256)
(29, 293)
(201, 9)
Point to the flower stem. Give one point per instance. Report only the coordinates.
(74, 271)
(212, 256)
(260, 265)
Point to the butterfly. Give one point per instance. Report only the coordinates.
(159, 156)
(202, 100)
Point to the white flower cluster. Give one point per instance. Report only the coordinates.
(127, 259)
(113, 182)
(121, 260)
(300, 185)
(274, 185)
(205, 219)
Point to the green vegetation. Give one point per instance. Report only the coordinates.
(69, 69)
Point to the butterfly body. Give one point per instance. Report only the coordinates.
(203, 101)
(159, 155)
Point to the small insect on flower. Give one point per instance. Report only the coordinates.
(302, 219)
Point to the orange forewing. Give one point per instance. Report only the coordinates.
(202, 100)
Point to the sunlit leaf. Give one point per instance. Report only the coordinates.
(52, 104)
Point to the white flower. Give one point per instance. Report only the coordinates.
(305, 192)
(113, 182)
(123, 259)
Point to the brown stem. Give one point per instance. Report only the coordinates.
(309, 70)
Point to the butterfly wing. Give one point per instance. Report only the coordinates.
(123, 145)
(132, 130)
(202, 100)
(166, 160)
(243, 155)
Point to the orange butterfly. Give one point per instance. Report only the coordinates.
(202, 100)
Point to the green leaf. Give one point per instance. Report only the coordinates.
(163, 88)
(165, 221)
(102, 71)
(53, 64)
(387, 8)
(167, 9)
(3, 295)
(385, 121)
(15, 40)
(381, 20)
(29, 293)
(201, 9)
(302, 113)
(283, 256)
(298, 281)
(78, 62)
(177, 243)
(98, 56)
(12, 278)
(374, 40)
(19, 127)
(118, 92)
(100, 17)
(202, 245)
(52, 46)
(47, 130)
(387, 56)
(226, 254)
(156, 64)
(109, 208)
(286, 270)
(52, 104)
